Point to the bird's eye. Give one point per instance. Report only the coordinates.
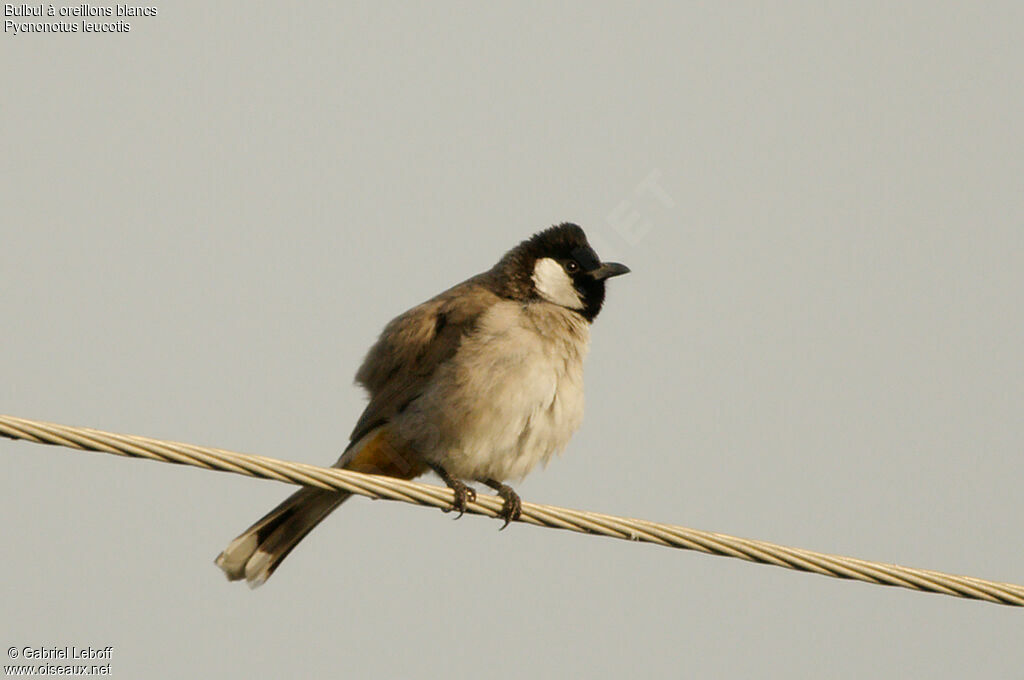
(572, 266)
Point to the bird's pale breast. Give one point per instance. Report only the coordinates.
(511, 397)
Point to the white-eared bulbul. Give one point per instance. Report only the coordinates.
(479, 384)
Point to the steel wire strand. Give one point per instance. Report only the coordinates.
(376, 486)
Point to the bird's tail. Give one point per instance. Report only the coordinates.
(258, 551)
(261, 548)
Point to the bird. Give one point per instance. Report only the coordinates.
(478, 384)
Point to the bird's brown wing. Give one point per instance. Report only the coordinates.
(401, 363)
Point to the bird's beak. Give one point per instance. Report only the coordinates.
(608, 270)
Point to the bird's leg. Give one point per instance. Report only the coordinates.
(513, 506)
(463, 493)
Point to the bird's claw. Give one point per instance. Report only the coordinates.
(512, 508)
(463, 494)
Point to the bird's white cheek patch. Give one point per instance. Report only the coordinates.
(554, 285)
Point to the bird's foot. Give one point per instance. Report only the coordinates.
(512, 509)
(463, 492)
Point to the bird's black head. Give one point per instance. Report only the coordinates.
(558, 265)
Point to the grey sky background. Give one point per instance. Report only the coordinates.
(206, 222)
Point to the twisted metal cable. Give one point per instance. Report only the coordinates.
(376, 486)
